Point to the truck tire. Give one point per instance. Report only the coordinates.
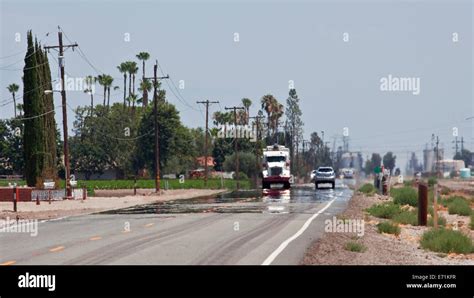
(316, 186)
(333, 185)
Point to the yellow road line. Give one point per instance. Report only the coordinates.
(59, 248)
(149, 225)
(95, 238)
(8, 263)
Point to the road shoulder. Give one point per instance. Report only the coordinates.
(381, 249)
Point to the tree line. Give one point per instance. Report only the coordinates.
(118, 135)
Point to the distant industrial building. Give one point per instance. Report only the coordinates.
(351, 160)
(429, 159)
(450, 165)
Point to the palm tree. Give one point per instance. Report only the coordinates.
(128, 65)
(143, 56)
(247, 102)
(145, 87)
(102, 82)
(276, 115)
(274, 111)
(133, 71)
(13, 88)
(19, 107)
(123, 69)
(132, 99)
(268, 104)
(108, 83)
(90, 81)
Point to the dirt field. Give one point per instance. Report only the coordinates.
(115, 199)
(381, 248)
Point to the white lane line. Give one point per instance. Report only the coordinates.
(285, 243)
(26, 223)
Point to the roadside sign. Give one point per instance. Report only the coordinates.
(48, 184)
(377, 170)
(400, 179)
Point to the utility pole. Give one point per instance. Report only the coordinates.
(257, 146)
(462, 145)
(236, 145)
(207, 103)
(437, 158)
(456, 147)
(64, 108)
(304, 152)
(155, 115)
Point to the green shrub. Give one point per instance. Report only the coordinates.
(432, 181)
(355, 246)
(246, 163)
(242, 176)
(431, 210)
(404, 196)
(446, 201)
(213, 183)
(408, 183)
(389, 228)
(367, 188)
(459, 206)
(447, 241)
(471, 224)
(441, 221)
(407, 217)
(445, 190)
(384, 210)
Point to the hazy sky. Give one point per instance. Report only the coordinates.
(338, 82)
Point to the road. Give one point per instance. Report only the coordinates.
(242, 228)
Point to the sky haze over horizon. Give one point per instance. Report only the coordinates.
(336, 53)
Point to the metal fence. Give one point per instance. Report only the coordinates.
(55, 194)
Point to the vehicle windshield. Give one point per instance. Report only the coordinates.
(275, 158)
(324, 170)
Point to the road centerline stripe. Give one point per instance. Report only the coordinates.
(285, 243)
(8, 263)
(59, 248)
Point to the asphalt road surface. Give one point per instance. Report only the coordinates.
(237, 228)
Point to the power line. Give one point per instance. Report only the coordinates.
(83, 55)
(61, 48)
(178, 93)
(21, 97)
(17, 69)
(236, 144)
(37, 116)
(18, 53)
(16, 62)
(207, 103)
(107, 135)
(408, 131)
(175, 91)
(24, 51)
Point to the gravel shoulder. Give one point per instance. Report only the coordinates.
(57, 209)
(382, 249)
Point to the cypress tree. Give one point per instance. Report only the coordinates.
(49, 123)
(33, 136)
